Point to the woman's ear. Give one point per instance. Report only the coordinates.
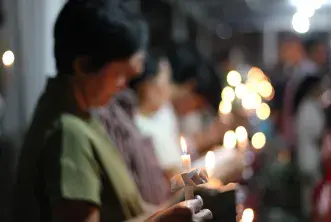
(190, 85)
(81, 66)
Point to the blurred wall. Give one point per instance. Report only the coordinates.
(27, 31)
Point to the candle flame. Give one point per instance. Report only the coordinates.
(248, 215)
(210, 162)
(183, 145)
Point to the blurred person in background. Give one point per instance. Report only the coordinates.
(291, 54)
(309, 131)
(196, 97)
(317, 56)
(322, 193)
(69, 170)
(155, 116)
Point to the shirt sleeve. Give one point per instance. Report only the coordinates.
(70, 170)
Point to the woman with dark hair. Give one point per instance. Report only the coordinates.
(69, 169)
(310, 120)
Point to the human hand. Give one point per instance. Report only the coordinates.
(186, 211)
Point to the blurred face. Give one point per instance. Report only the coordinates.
(157, 91)
(96, 89)
(291, 52)
(186, 100)
(319, 55)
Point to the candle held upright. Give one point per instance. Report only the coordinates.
(186, 166)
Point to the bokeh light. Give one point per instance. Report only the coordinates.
(241, 134)
(230, 139)
(255, 74)
(258, 140)
(300, 22)
(233, 78)
(252, 85)
(8, 58)
(240, 91)
(228, 94)
(210, 163)
(263, 111)
(251, 101)
(225, 107)
(265, 89)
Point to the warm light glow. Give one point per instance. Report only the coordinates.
(233, 78)
(248, 215)
(240, 91)
(228, 94)
(255, 74)
(251, 101)
(252, 86)
(258, 140)
(271, 96)
(230, 140)
(265, 89)
(183, 145)
(210, 163)
(225, 107)
(241, 134)
(263, 111)
(8, 58)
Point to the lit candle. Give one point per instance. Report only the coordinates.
(248, 215)
(186, 158)
(186, 165)
(210, 163)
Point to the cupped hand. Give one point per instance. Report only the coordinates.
(186, 211)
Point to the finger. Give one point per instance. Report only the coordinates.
(194, 205)
(204, 214)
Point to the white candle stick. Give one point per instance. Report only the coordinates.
(186, 165)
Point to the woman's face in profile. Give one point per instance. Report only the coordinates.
(111, 78)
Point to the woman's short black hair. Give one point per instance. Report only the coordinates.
(99, 30)
(305, 87)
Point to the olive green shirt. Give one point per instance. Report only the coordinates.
(68, 158)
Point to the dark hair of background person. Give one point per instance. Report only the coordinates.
(151, 70)
(97, 30)
(311, 44)
(188, 65)
(306, 86)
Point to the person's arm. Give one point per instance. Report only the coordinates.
(71, 177)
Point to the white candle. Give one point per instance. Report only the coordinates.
(186, 158)
(186, 165)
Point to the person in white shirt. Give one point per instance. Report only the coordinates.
(160, 102)
(310, 120)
